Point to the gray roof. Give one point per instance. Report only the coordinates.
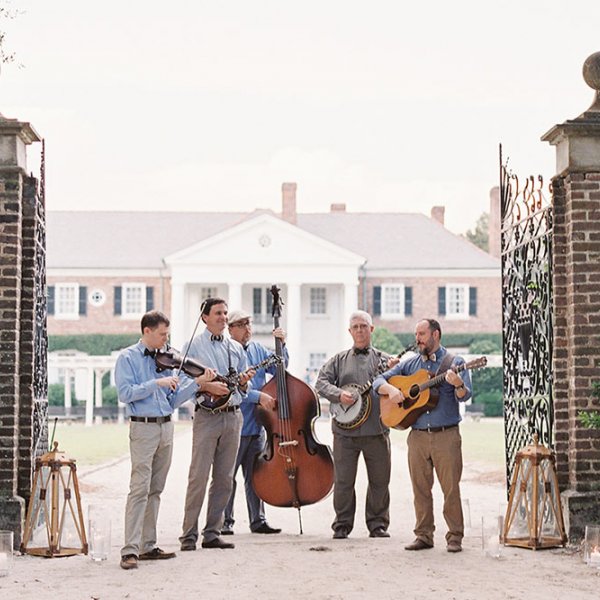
(94, 239)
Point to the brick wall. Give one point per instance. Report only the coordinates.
(425, 304)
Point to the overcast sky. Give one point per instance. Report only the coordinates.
(211, 105)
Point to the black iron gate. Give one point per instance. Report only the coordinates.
(526, 313)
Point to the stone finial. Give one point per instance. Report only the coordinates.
(591, 75)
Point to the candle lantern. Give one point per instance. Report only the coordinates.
(534, 514)
(54, 523)
(591, 546)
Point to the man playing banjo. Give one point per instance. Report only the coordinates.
(357, 428)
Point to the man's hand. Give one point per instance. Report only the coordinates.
(266, 401)
(246, 376)
(207, 376)
(279, 333)
(347, 398)
(215, 388)
(168, 382)
(454, 379)
(394, 393)
(392, 362)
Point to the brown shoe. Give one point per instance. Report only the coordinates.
(157, 554)
(454, 547)
(217, 543)
(418, 544)
(129, 561)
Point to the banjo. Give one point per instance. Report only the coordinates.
(351, 416)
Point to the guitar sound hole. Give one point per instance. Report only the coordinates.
(414, 391)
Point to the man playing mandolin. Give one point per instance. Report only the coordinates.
(216, 432)
(434, 442)
(356, 368)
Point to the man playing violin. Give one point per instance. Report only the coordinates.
(434, 442)
(358, 365)
(150, 398)
(253, 434)
(216, 433)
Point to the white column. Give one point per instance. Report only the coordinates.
(293, 310)
(98, 400)
(68, 399)
(234, 296)
(89, 397)
(350, 301)
(178, 316)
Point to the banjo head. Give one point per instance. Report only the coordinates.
(350, 416)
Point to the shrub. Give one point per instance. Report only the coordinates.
(95, 344)
(56, 395)
(385, 340)
(109, 396)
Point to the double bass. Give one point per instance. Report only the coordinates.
(294, 470)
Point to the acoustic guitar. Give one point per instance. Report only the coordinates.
(420, 394)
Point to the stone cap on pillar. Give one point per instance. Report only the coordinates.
(15, 135)
(577, 140)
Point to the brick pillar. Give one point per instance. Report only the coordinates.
(576, 281)
(15, 311)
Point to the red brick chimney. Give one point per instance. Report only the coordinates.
(494, 222)
(437, 213)
(288, 202)
(338, 207)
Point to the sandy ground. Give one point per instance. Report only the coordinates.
(312, 565)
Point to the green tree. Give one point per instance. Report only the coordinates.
(480, 235)
(385, 340)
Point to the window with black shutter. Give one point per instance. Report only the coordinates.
(118, 308)
(376, 300)
(408, 301)
(473, 301)
(82, 300)
(442, 300)
(50, 300)
(149, 298)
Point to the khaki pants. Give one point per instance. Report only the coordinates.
(216, 438)
(376, 453)
(440, 451)
(151, 449)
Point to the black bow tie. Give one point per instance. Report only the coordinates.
(432, 357)
(361, 350)
(216, 338)
(151, 353)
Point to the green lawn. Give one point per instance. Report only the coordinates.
(96, 444)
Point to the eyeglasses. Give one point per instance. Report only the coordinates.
(241, 324)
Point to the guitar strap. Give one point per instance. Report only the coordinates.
(445, 364)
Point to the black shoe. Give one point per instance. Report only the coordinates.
(188, 546)
(266, 528)
(157, 554)
(340, 534)
(217, 543)
(379, 532)
(227, 530)
(418, 544)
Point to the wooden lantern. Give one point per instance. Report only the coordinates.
(54, 523)
(534, 514)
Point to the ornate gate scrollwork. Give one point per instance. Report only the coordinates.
(526, 313)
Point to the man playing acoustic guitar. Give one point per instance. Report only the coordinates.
(434, 442)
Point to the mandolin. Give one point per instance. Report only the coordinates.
(420, 394)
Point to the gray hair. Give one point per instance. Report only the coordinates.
(362, 315)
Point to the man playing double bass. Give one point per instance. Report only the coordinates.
(358, 365)
(434, 442)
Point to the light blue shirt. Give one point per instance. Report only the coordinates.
(219, 356)
(256, 353)
(446, 412)
(136, 379)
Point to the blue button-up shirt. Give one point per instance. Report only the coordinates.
(446, 412)
(256, 353)
(136, 379)
(219, 356)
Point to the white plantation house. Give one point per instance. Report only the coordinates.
(105, 269)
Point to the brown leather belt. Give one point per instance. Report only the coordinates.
(438, 429)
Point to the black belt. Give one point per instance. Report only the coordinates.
(217, 410)
(438, 429)
(150, 419)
